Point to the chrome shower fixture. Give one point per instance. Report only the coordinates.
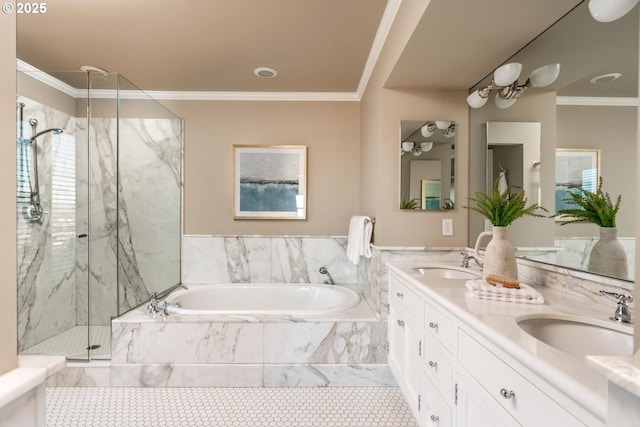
(323, 270)
(34, 212)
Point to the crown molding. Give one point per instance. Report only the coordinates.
(593, 101)
(388, 17)
(47, 79)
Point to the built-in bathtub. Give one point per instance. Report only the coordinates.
(262, 299)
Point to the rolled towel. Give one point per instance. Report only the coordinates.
(526, 294)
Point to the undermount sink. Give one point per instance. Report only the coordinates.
(447, 272)
(579, 336)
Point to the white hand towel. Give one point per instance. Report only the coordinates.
(360, 229)
(526, 294)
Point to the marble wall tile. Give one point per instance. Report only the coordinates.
(328, 376)
(204, 260)
(81, 377)
(179, 375)
(333, 343)
(25, 411)
(156, 343)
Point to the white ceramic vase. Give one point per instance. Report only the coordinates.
(608, 256)
(499, 256)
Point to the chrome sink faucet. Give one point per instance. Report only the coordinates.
(466, 258)
(622, 314)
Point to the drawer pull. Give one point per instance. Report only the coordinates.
(507, 394)
(401, 323)
(434, 418)
(400, 295)
(433, 364)
(433, 325)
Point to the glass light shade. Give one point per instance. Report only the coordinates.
(610, 10)
(407, 146)
(545, 75)
(507, 74)
(504, 102)
(417, 151)
(425, 131)
(475, 100)
(443, 124)
(426, 146)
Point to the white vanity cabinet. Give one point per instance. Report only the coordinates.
(453, 376)
(405, 342)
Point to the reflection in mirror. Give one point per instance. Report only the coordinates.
(427, 164)
(595, 107)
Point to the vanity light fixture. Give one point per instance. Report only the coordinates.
(413, 148)
(447, 128)
(505, 82)
(610, 10)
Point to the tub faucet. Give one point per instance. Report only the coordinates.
(323, 270)
(466, 258)
(622, 314)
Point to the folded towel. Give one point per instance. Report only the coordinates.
(526, 294)
(360, 229)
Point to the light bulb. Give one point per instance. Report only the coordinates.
(407, 146)
(504, 102)
(427, 130)
(426, 146)
(475, 100)
(507, 74)
(545, 75)
(610, 10)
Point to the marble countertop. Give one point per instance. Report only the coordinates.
(497, 321)
(30, 373)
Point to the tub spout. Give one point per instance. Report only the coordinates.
(323, 270)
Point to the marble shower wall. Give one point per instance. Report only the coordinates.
(46, 262)
(265, 259)
(144, 255)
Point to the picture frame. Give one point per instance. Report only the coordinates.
(575, 167)
(270, 182)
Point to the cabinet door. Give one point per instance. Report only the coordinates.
(473, 410)
(412, 361)
(396, 343)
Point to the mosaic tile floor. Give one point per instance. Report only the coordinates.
(227, 407)
(73, 343)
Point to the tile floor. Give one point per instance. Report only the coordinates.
(227, 407)
(73, 343)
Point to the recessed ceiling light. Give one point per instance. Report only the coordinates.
(265, 72)
(603, 78)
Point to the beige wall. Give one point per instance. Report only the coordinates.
(330, 130)
(395, 227)
(8, 302)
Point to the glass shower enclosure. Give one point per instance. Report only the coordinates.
(98, 207)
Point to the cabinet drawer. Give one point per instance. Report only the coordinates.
(436, 413)
(437, 365)
(522, 399)
(400, 294)
(440, 327)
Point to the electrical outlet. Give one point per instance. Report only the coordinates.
(447, 227)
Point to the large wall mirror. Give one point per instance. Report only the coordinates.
(590, 110)
(427, 165)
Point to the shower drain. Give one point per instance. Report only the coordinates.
(93, 347)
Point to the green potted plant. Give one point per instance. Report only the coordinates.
(597, 207)
(502, 208)
(410, 204)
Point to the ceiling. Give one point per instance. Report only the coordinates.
(315, 45)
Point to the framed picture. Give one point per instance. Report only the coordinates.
(575, 168)
(270, 181)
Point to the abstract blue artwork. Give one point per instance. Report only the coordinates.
(270, 182)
